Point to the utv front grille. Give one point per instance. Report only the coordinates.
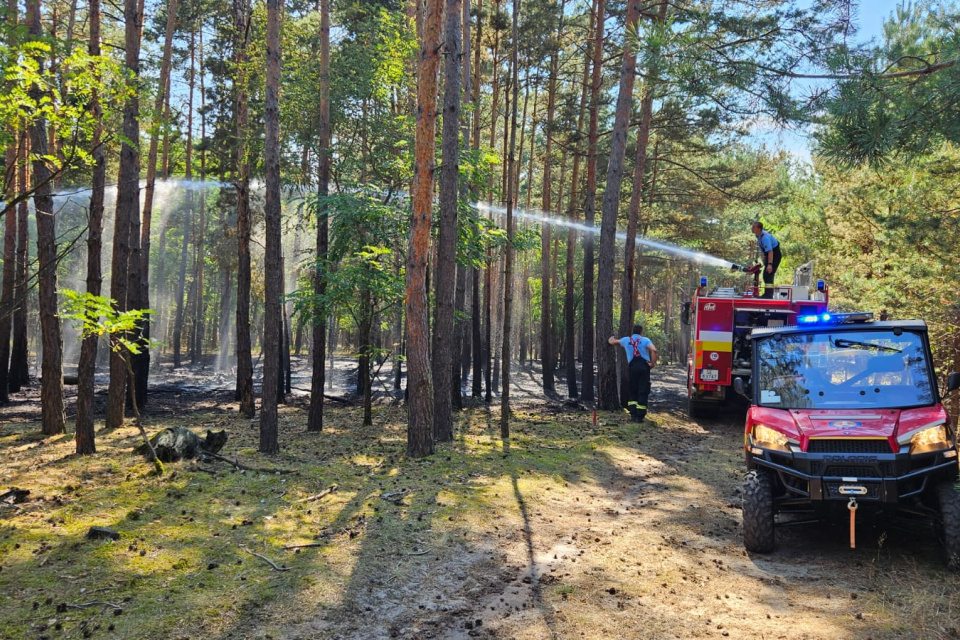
(882, 470)
(831, 445)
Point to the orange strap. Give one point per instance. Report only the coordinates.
(852, 506)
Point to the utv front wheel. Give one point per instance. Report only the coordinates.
(758, 533)
(949, 523)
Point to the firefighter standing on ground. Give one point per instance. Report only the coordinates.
(770, 254)
(641, 358)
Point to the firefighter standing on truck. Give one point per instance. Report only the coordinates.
(641, 358)
(770, 254)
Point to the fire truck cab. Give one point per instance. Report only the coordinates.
(722, 318)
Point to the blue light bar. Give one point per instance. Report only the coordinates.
(821, 285)
(703, 281)
(836, 318)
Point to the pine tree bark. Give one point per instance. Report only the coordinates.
(476, 329)
(420, 441)
(226, 302)
(200, 245)
(273, 278)
(9, 264)
(10, 191)
(19, 367)
(241, 17)
(318, 374)
(487, 329)
(461, 335)
(569, 300)
(589, 208)
(505, 413)
(128, 208)
(607, 361)
(187, 214)
(86, 368)
(141, 361)
(548, 356)
(51, 390)
(446, 271)
(628, 290)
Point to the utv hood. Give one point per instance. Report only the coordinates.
(807, 424)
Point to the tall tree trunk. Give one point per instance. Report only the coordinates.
(318, 374)
(508, 260)
(9, 263)
(226, 292)
(201, 219)
(420, 440)
(628, 306)
(165, 155)
(187, 212)
(6, 293)
(548, 355)
(460, 296)
(10, 192)
(199, 247)
(273, 278)
(141, 361)
(364, 362)
(51, 389)
(569, 300)
(19, 368)
(446, 271)
(589, 208)
(181, 284)
(607, 365)
(477, 339)
(86, 368)
(128, 207)
(494, 100)
(475, 317)
(487, 328)
(241, 17)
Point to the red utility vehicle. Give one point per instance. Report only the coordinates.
(846, 415)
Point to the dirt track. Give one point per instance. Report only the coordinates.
(571, 530)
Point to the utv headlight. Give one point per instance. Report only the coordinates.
(768, 438)
(934, 438)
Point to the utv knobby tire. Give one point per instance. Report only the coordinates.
(948, 527)
(758, 534)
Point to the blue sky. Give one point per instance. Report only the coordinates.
(870, 16)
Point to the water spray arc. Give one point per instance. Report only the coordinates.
(539, 216)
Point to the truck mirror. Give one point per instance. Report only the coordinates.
(739, 387)
(685, 313)
(953, 381)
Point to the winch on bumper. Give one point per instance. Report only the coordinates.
(838, 469)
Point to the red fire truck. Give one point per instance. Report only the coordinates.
(722, 318)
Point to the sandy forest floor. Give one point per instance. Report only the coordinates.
(571, 530)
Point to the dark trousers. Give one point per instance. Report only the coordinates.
(768, 277)
(639, 385)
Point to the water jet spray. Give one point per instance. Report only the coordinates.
(687, 254)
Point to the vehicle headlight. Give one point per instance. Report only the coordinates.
(930, 439)
(768, 438)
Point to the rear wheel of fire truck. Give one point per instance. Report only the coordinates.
(758, 535)
(948, 524)
(696, 409)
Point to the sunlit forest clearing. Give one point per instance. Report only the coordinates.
(382, 245)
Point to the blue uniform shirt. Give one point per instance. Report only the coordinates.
(766, 242)
(641, 341)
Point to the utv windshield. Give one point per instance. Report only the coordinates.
(844, 370)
